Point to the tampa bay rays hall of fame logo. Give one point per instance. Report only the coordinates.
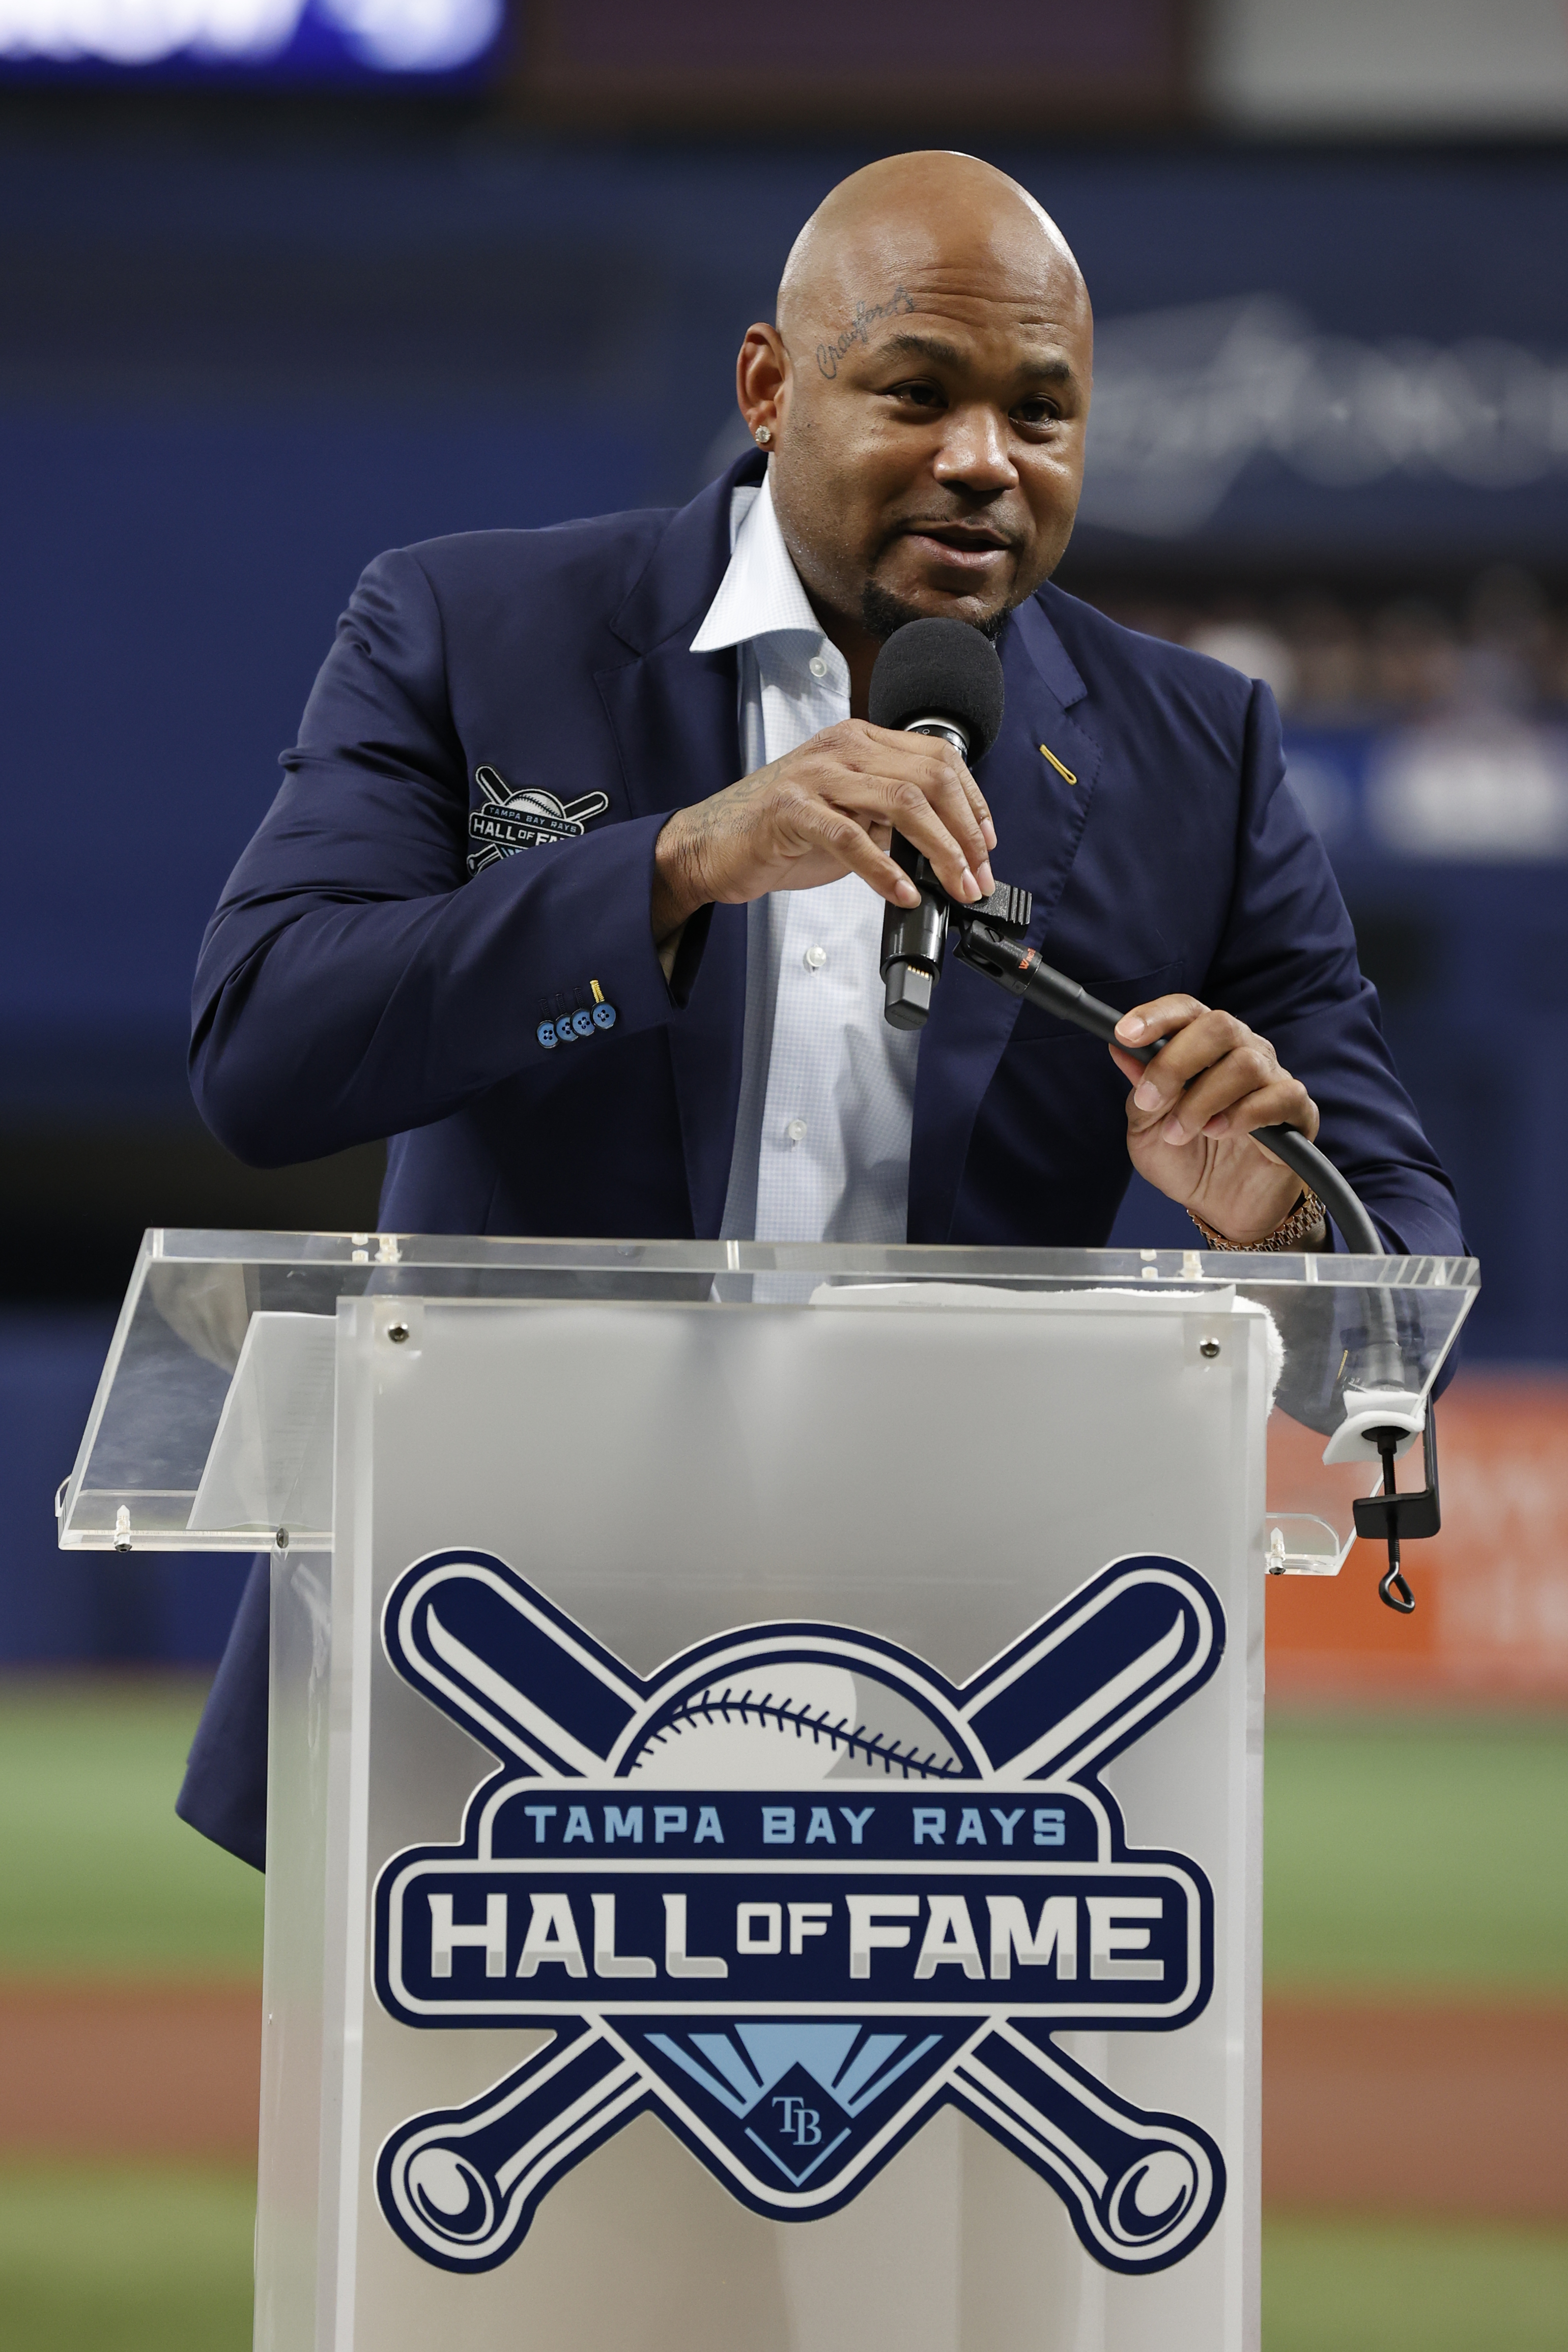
(511, 821)
(794, 1893)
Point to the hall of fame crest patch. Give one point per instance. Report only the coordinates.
(794, 1893)
(511, 821)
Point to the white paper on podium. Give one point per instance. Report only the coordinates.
(271, 1461)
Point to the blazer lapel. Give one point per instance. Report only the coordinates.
(675, 717)
(1039, 817)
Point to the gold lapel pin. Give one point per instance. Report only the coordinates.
(1048, 753)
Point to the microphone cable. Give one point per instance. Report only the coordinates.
(1020, 971)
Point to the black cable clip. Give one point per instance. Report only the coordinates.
(1395, 1516)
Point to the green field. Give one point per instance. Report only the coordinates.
(1374, 2286)
(98, 1877)
(153, 2257)
(1427, 1854)
(1430, 1854)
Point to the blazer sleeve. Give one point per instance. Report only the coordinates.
(354, 981)
(1287, 964)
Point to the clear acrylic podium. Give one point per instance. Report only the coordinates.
(765, 1767)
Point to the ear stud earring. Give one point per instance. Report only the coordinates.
(764, 433)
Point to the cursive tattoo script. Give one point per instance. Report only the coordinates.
(858, 331)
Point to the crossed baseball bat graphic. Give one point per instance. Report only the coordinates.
(1142, 2189)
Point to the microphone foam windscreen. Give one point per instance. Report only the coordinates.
(939, 669)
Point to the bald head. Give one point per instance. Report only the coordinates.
(923, 394)
(930, 206)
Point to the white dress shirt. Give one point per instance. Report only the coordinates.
(827, 1089)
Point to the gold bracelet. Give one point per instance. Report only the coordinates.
(1288, 1234)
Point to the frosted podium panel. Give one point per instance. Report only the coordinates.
(675, 1648)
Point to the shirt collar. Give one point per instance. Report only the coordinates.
(760, 594)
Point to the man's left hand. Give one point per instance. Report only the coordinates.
(1192, 1110)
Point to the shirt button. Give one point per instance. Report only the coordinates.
(818, 666)
(796, 1130)
(814, 958)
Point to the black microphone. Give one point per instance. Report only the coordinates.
(932, 678)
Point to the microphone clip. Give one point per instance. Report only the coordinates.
(914, 938)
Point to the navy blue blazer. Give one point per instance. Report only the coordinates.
(357, 981)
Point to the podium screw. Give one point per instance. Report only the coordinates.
(397, 1333)
(1208, 1350)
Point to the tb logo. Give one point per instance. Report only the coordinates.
(799, 2123)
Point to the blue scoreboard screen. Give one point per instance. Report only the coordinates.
(355, 41)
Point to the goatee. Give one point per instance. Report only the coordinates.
(882, 613)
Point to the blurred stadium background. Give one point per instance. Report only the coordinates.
(282, 285)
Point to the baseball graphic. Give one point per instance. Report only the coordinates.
(792, 1722)
(541, 804)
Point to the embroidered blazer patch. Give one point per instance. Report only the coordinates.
(530, 820)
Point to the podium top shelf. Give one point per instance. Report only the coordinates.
(212, 1425)
(493, 1258)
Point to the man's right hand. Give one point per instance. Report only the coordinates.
(827, 809)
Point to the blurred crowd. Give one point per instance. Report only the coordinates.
(1335, 660)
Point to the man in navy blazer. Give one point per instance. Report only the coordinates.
(504, 910)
